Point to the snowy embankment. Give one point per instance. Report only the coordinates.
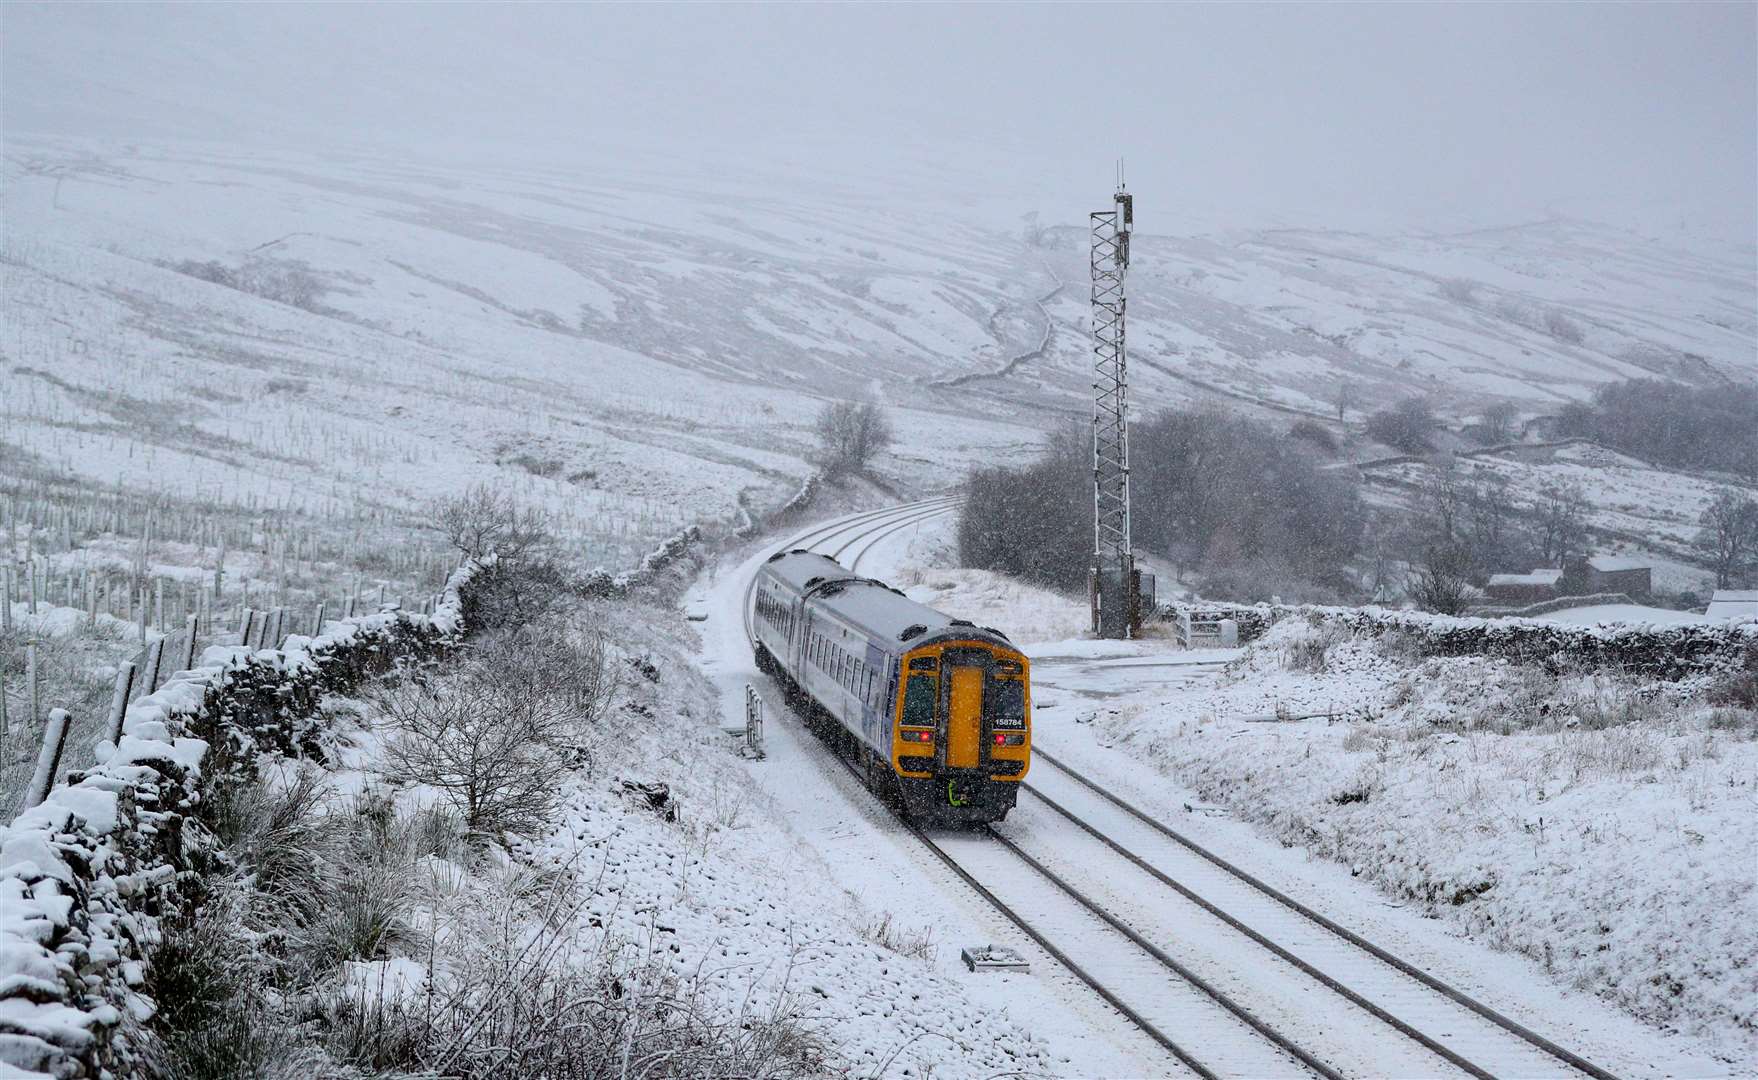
(85, 874)
(1596, 823)
(692, 887)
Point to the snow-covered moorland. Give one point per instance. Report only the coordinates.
(1599, 825)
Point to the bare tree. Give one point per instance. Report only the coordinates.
(1560, 523)
(1729, 534)
(851, 434)
(483, 521)
(1406, 426)
(498, 735)
(1440, 580)
(1498, 422)
(1345, 395)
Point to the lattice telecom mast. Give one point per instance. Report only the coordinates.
(1113, 585)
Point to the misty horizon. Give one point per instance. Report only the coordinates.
(1437, 117)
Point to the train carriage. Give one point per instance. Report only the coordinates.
(938, 710)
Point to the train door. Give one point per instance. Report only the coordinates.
(964, 672)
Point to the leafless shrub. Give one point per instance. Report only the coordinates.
(1498, 422)
(1440, 579)
(1311, 651)
(851, 434)
(1739, 688)
(498, 735)
(1311, 431)
(537, 465)
(1408, 426)
(289, 284)
(1361, 738)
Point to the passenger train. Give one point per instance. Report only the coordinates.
(936, 710)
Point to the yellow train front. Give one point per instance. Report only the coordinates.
(936, 711)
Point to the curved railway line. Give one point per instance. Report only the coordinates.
(1154, 910)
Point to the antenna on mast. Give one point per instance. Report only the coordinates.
(1114, 585)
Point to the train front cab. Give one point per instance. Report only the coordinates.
(961, 733)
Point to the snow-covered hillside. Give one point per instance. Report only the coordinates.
(639, 345)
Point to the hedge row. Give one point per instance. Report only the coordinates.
(85, 875)
(1669, 652)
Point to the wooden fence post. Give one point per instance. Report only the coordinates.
(119, 702)
(48, 759)
(32, 701)
(6, 597)
(190, 626)
(245, 628)
(317, 624)
(155, 656)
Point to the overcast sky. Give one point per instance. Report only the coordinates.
(1422, 114)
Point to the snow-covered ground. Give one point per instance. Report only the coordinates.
(1637, 614)
(1627, 814)
(724, 891)
(1594, 827)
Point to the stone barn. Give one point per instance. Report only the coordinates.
(1584, 575)
(1517, 590)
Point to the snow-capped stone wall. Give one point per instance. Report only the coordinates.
(84, 875)
(602, 583)
(1662, 652)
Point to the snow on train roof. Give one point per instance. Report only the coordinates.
(870, 604)
(796, 568)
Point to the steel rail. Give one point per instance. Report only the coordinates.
(1216, 994)
(1421, 1038)
(873, 537)
(819, 532)
(1147, 1026)
(1458, 996)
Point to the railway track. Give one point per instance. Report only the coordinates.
(841, 535)
(1190, 944)
(1238, 914)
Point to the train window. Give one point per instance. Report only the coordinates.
(922, 663)
(918, 700)
(1009, 699)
